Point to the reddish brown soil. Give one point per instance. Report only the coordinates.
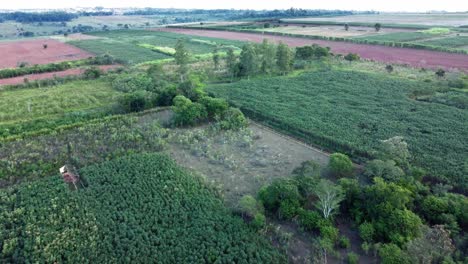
(50, 75)
(413, 57)
(33, 52)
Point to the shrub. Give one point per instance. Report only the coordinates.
(233, 119)
(187, 112)
(214, 106)
(340, 165)
(353, 258)
(367, 232)
(392, 254)
(384, 169)
(389, 68)
(134, 102)
(128, 83)
(92, 73)
(440, 73)
(288, 209)
(344, 242)
(248, 205)
(166, 96)
(278, 191)
(309, 219)
(352, 57)
(327, 230)
(259, 221)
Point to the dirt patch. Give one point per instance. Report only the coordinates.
(50, 75)
(33, 52)
(240, 162)
(413, 57)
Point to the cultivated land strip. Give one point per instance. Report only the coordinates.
(413, 57)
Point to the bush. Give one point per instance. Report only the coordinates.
(392, 254)
(278, 191)
(352, 57)
(233, 119)
(248, 205)
(367, 232)
(353, 258)
(288, 209)
(166, 96)
(128, 83)
(340, 165)
(187, 112)
(384, 169)
(214, 106)
(92, 73)
(327, 230)
(134, 102)
(309, 220)
(259, 221)
(344, 242)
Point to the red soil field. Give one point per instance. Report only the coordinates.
(50, 75)
(33, 52)
(412, 57)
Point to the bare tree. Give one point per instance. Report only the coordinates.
(329, 197)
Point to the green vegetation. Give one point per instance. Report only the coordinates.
(121, 50)
(396, 37)
(452, 42)
(345, 111)
(135, 210)
(53, 67)
(136, 46)
(32, 109)
(436, 31)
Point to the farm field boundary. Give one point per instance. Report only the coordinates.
(397, 55)
(409, 45)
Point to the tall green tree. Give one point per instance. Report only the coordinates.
(268, 53)
(216, 58)
(377, 27)
(231, 62)
(248, 64)
(284, 58)
(181, 57)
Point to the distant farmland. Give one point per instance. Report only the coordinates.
(33, 52)
(457, 19)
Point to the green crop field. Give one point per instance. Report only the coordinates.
(127, 44)
(136, 209)
(451, 42)
(396, 37)
(352, 111)
(120, 50)
(35, 108)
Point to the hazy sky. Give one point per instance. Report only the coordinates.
(378, 5)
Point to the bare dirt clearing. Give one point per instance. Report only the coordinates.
(413, 57)
(240, 162)
(33, 52)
